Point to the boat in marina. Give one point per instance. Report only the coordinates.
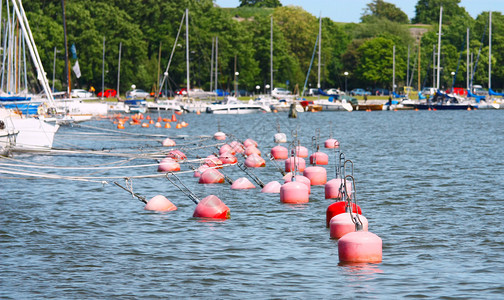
(333, 104)
(232, 105)
(7, 134)
(136, 106)
(173, 105)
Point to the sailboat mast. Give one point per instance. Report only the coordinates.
(467, 59)
(119, 71)
(439, 46)
(393, 69)
(211, 64)
(187, 51)
(319, 47)
(271, 53)
(490, 51)
(216, 60)
(67, 67)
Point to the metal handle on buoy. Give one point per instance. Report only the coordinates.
(244, 168)
(186, 192)
(141, 198)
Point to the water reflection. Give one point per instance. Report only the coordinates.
(360, 271)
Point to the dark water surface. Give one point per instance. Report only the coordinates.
(429, 182)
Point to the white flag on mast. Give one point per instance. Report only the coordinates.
(76, 69)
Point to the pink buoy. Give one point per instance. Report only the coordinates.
(319, 158)
(299, 178)
(332, 189)
(252, 150)
(220, 136)
(279, 152)
(272, 187)
(294, 192)
(339, 208)
(255, 161)
(342, 224)
(167, 164)
(280, 138)
(249, 142)
(360, 247)
(213, 161)
(242, 184)
(211, 207)
(201, 169)
(168, 142)
(226, 149)
(301, 151)
(316, 175)
(177, 155)
(237, 147)
(211, 176)
(295, 161)
(228, 158)
(159, 203)
(331, 143)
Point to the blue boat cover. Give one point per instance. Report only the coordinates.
(492, 93)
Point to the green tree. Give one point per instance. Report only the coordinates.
(260, 3)
(427, 11)
(382, 9)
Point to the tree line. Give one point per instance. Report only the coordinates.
(147, 32)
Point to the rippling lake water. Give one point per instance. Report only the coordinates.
(429, 182)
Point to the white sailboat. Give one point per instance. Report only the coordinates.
(33, 133)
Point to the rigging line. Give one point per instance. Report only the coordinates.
(36, 164)
(121, 132)
(78, 168)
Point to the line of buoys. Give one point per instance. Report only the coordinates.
(360, 247)
(294, 192)
(226, 148)
(213, 161)
(228, 158)
(249, 142)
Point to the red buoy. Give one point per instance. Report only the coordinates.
(272, 187)
(319, 158)
(160, 203)
(211, 207)
(294, 192)
(331, 143)
(279, 152)
(211, 176)
(339, 208)
(201, 169)
(242, 184)
(316, 174)
(360, 247)
(342, 224)
(295, 161)
(167, 164)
